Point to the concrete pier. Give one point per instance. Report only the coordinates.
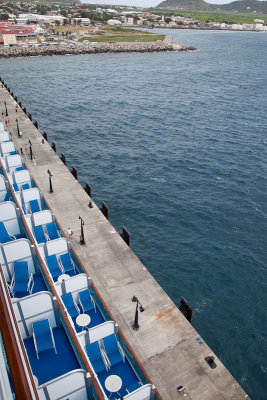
(169, 348)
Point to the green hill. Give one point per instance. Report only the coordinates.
(185, 5)
(200, 5)
(246, 6)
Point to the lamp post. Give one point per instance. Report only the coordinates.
(141, 309)
(30, 143)
(17, 127)
(6, 109)
(50, 181)
(82, 241)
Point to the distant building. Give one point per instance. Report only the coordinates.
(114, 22)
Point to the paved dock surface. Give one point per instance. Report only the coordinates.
(169, 348)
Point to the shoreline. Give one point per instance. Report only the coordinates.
(94, 48)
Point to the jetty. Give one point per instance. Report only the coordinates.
(166, 347)
(94, 48)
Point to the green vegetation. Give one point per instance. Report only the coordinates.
(118, 34)
(215, 16)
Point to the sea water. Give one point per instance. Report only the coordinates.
(175, 144)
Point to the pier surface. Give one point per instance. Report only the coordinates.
(169, 348)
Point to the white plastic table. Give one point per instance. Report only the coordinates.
(113, 384)
(83, 320)
(62, 277)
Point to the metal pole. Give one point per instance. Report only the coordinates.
(135, 324)
(50, 182)
(17, 127)
(30, 143)
(82, 241)
(6, 109)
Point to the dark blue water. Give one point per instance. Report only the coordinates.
(175, 144)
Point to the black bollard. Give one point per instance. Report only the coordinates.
(126, 236)
(63, 158)
(186, 310)
(88, 189)
(210, 362)
(36, 124)
(25, 110)
(30, 116)
(53, 145)
(105, 210)
(74, 173)
(45, 135)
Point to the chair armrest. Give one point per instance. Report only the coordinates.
(31, 281)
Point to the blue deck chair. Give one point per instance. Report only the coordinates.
(15, 187)
(86, 301)
(19, 168)
(13, 152)
(22, 281)
(96, 358)
(43, 337)
(39, 234)
(66, 262)
(52, 231)
(4, 235)
(53, 266)
(70, 304)
(25, 186)
(112, 350)
(34, 205)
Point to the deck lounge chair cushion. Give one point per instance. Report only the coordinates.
(34, 206)
(43, 336)
(39, 234)
(86, 300)
(4, 235)
(52, 231)
(21, 276)
(53, 266)
(112, 349)
(66, 262)
(95, 356)
(70, 305)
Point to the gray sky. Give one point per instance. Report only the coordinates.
(143, 3)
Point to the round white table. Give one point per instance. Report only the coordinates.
(63, 277)
(113, 383)
(83, 320)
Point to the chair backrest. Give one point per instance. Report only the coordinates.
(4, 236)
(43, 335)
(34, 206)
(70, 305)
(15, 187)
(52, 263)
(21, 271)
(26, 186)
(39, 234)
(52, 230)
(86, 300)
(93, 351)
(66, 262)
(110, 343)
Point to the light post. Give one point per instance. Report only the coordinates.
(82, 241)
(141, 309)
(17, 127)
(50, 181)
(6, 109)
(30, 143)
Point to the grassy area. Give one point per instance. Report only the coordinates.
(117, 34)
(216, 16)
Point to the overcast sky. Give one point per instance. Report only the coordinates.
(143, 3)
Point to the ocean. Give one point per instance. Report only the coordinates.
(175, 144)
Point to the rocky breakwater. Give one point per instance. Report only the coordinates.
(91, 48)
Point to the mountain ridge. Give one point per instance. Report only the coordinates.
(201, 5)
